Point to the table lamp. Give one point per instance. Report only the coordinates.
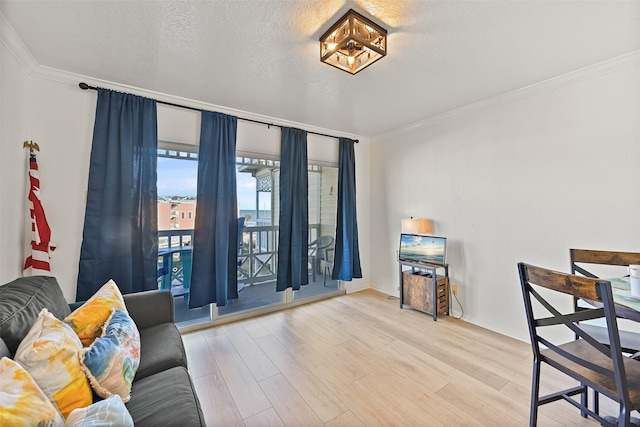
(417, 226)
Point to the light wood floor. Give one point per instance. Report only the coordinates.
(359, 360)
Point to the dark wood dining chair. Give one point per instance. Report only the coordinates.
(583, 262)
(594, 365)
(580, 257)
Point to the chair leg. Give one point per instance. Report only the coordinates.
(584, 400)
(624, 418)
(535, 389)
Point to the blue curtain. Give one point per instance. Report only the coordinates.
(347, 256)
(120, 235)
(293, 239)
(215, 237)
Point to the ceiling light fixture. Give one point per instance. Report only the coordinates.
(353, 43)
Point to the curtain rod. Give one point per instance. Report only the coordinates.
(85, 86)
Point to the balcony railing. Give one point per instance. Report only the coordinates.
(257, 259)
(171, 238)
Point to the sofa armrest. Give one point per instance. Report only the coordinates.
(150, 308)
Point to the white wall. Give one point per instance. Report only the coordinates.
(13, 161)
(47, 106)
(521, 181)
(59, 117)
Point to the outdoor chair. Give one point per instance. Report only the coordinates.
(241, 259)
(317, 250)
(594, 365)
(327, 264)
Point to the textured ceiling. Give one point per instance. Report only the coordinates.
(263, 56)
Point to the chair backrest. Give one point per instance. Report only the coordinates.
(318, 246)
(587, 256)
(595, 360)
(581, 259)
(330, 254)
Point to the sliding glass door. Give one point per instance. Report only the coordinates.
(258, 212)
(258, 251)
(323, 202)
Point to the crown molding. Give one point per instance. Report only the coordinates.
(15, 45)
(609, 66)
(73, 79)
(12, 41)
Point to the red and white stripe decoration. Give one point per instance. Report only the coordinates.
(37, 228)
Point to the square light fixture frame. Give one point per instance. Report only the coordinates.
(353, 43)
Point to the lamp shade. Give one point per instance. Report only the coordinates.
(417, 226)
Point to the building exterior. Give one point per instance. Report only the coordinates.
(176, 213)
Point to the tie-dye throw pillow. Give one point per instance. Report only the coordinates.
(112, 360)
(49, 353)
(22, 403)
(88, 319)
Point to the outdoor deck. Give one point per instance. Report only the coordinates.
(250, 298)
(257, 269)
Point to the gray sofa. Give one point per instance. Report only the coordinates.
(162, 392)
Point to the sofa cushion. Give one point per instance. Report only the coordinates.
(4, 350)
(167, 398)
(150, 308)
(22, 301)
(161, 348)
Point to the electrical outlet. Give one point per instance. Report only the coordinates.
(454, 289)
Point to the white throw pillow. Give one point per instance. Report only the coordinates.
(110, 412)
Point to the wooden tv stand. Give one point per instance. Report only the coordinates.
(417, 288)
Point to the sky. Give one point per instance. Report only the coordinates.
(178, 177)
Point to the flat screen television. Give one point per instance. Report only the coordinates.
(419, 248)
